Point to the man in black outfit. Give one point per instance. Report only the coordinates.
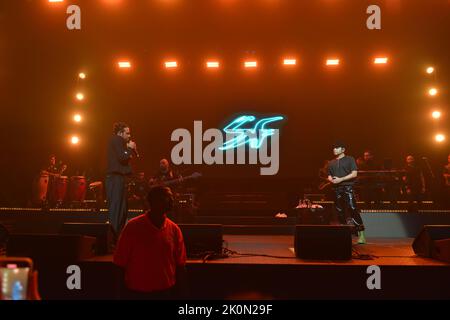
(342, 172)
(371, 187)
(414, 183)
(120, 150)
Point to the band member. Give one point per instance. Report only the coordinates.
(138, 190)
(166, 174)
(120, 150)
(414, 182)
(53, 170)
(342, 172)
(446, 172)
(370, 188)
(446, 176)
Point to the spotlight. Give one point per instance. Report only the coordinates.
(80, 96)
(380, 60)
(436, 114)
(289, 62)
(212, 64)
(124, 64)
(82, 75)
(432, 92)
(171, 64)
(430, 70)
(439, 137)
(332, 62)
(74, 140)
(55, 1)
(77, 118)
(250, 64)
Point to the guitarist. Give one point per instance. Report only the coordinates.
(165, 174)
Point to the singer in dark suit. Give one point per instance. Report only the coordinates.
(120, 150)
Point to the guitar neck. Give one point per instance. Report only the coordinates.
(169, 182)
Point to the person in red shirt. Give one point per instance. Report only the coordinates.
(151, 251)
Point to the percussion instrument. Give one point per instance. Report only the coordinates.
(40, 189)
(77, 188)
(60, 188)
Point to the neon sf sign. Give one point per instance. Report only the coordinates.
(222, 150)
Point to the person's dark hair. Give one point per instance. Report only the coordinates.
(157, 195)
(339, 144)
(119, 127)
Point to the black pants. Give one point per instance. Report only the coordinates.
(345, 198)
(116, 193)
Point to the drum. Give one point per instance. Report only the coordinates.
(77, 188)
(61, 188)
(40, 189)
(96, 189)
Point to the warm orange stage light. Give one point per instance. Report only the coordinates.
(250, 64)
(171, 64)
(74, 140)
(380, 60)
(289, 62)
(332, 62)
(213, 64)
(124, 64)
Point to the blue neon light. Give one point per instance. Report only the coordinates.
(242, 136)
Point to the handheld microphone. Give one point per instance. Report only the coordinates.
(136, 153)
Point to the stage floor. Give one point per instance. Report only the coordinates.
(279, 249)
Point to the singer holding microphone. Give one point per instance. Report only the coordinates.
(120, 150)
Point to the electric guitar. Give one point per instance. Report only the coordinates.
(155, 183)
(324, 185)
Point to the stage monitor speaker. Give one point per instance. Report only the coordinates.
(201, 239)
(320, 242)
(103, 232)
(433, 241)
(49, 248)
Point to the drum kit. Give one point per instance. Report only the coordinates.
(58, 190)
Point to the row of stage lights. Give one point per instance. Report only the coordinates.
(77, 117)
(248, 64)
(80, 97)
(287, 62)
(436, 114)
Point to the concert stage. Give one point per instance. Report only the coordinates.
(264, 264)
(267, 269)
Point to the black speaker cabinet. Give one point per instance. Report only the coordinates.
(431, 242)
(200, 239)
(320, 242)
(51, 248)
(103, 232)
